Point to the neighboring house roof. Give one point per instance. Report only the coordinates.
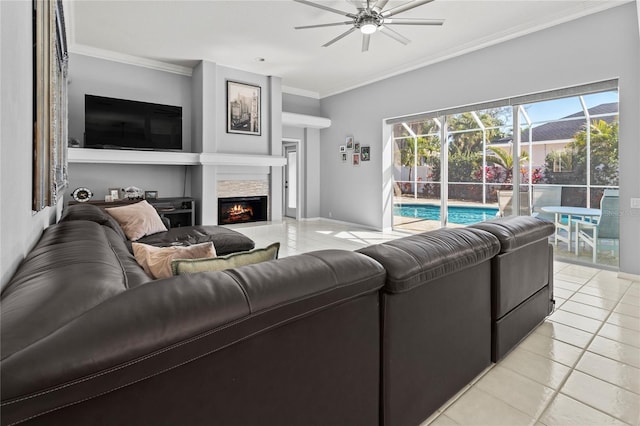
(565, 130)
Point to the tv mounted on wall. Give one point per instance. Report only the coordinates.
(124, 124)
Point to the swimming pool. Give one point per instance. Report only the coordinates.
(462, 215)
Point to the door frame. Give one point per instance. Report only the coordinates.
(300, 184)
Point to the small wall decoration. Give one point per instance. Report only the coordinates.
(343, 148)
(356, 147)
(150, 195)
(365, 153)
(356, 159)
(243, 108)
(343, 156)
(349, 142)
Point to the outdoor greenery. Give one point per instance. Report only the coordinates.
(466, 157)
(573, 161)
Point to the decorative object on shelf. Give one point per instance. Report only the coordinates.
(343, 156)
(73, 143)
(82, 194)
(243, 108)
(133, 193)
(150, 195)
(365, 153)
(356, 147)
(114, 193)
(343, 148)
(349, 142)
(355, 159)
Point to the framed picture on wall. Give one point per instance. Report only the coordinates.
(356, 159)
(356, 147)
(349, 142)
(365, 153)
(343, 157)
(243, 108)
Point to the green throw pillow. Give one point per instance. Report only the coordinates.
(233, 260)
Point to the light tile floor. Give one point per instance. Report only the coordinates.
(581, 366)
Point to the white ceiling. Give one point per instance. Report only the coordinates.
(236, 33)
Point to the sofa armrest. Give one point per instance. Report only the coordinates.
(162, 325)
(517, 231)
(415, 260)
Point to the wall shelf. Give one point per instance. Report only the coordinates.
(115, 156)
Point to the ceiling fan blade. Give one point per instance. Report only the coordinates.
(394, 35)
(365, 42)
(323, 7)
(409, 21)
(380, 4)
(404, 7)
(324, 25)
(344, 34)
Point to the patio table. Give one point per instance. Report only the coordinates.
(568, 211)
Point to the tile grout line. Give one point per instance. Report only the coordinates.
(583, 350)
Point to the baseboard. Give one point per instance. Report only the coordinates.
(342, 222)
(626, 276)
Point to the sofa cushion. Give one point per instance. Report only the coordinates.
(517, 231)
(137, 220)
(225, 240)
(72, 269)
(85, 211)
(156, 261)
(234, 260)
(414, 260)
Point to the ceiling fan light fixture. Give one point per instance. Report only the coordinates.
(368, 28)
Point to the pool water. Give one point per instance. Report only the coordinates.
(462, 215)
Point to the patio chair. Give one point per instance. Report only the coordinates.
(505, 203)
(546, 195)
(607, 227)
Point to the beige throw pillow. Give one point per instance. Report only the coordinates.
(232, 260)
(156, 261)
(137, 220)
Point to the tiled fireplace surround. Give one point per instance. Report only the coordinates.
(245, 188)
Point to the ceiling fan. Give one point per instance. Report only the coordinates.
(372, 17)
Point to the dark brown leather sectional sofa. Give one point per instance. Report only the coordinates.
(379, 336)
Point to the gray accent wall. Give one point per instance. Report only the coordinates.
(94, 76)
(593, 48)
(300, 104)
(20, 227)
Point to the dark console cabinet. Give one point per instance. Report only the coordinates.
(179, 211)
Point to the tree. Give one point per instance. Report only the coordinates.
(503, 159)
(573, 161)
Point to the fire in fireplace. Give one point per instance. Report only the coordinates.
(242, 209)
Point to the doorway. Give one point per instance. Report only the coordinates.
(291, 180)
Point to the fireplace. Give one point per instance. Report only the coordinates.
(242, 209)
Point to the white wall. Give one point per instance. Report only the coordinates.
(594, 48)
(20, 227)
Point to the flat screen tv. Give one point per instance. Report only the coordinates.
(123, 124)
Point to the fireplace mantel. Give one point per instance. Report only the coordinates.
(217, 159)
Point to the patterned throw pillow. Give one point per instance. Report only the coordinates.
(233, 260)
(156, 261)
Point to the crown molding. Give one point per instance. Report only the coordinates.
(124, 58)
(489, 41)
